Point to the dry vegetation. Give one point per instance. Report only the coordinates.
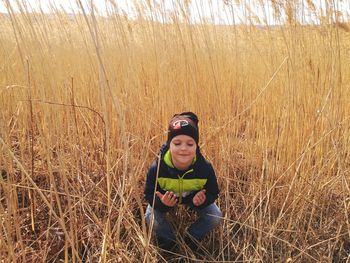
(84, 103)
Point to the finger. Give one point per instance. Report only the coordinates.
(173, 196)
(199, 201)
(166, 198)
(195, 201)
(169, 196)
(159, 195)
(171, 201)
(201, 198)
(200, 195)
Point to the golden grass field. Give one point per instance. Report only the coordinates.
(84, 106)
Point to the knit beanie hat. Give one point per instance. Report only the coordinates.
(185, 123)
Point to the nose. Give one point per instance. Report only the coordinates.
(183, 147)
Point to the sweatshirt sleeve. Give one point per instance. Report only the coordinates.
(211, 188)
(151, 187)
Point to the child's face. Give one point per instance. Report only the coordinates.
(183, 150)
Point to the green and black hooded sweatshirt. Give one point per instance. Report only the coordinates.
(185, 184)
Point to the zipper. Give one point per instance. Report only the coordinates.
(181, 184)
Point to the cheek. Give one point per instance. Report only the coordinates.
(174, 152)
(193, 152)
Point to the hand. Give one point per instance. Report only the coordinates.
(199, 198)
(169, 198)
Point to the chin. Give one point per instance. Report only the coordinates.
(185, 163)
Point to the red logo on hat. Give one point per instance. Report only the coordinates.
(177, 126)
(180, 123)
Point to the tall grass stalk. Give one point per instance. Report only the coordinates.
(85, 99)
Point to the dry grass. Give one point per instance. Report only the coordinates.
(84, 105)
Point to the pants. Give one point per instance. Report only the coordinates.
(209, 217)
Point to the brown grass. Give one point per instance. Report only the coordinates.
(84, 104)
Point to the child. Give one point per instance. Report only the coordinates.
(183, 177)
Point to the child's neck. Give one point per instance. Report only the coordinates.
(181, 167)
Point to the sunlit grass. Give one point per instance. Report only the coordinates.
(85, 102)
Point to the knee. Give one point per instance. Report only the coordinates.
(159, 217)
(148, 214)
(214, 216)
